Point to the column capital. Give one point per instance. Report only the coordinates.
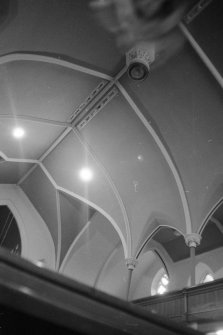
(131, 263)
(192, 240)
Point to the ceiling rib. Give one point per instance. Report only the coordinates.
(35, 119)
(196, 10)
(98, 98)
(12, 57)
(47, 152)
(217, 223)
(114, 189)
(99, 106)
(69, 252)
(17, 160)
(165, 155)
(106, 262)
(59, 237)
(209, 215)
(69, 127)
(202, 55)
(87, 101)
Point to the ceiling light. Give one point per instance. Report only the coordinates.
(139, 60)
(219, 332)
(18, 132)
(86, 174)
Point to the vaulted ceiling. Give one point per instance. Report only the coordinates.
(155, 147)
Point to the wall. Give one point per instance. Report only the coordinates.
(179, 273)
(37, 242)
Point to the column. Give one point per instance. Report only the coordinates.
(192, 241)
(131, 264)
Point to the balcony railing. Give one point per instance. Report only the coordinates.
(202, 304)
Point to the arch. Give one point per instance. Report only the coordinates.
(208, 216)
(19, 56)
(97, 280)
(19, 221)
(156, 280)
(114, 189)
(162, 261)
(154, 227)
(57, 187)
(67, 256)
(201, 270)
(88, 202)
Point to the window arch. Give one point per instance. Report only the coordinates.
(160, 282)
(10, 238)
(207, 277)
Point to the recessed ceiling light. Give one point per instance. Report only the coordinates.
(18, 132)
(86, 174)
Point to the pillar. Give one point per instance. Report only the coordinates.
(131, 264)
(192, 241)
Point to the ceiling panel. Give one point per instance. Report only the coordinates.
(10, 173)
(42, 194)
(74, 216)
(136, 165)
(207, 29)
(43, 90)
(92, 250)
(38, 137)
(184, 103)
(66, 162)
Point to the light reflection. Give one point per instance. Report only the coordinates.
(18, 132)
(86, 174)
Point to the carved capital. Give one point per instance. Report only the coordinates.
(131, 263)
(193, 240)
(141, 53)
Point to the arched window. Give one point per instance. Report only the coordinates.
(207, 278)
(9, 232)
(160, 282)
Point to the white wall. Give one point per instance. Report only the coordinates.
(37, 243)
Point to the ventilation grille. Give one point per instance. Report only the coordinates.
(103, 102)
(91, 96)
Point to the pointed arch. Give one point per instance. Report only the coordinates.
(208, 216)
(154, 226)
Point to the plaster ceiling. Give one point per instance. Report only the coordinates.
(155, 147)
